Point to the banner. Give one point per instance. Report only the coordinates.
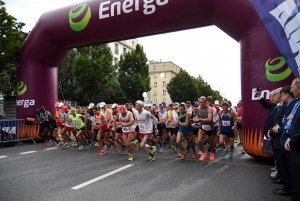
(282, 20)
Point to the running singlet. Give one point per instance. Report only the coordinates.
(68, 121)
(100, 123)
(129, 129)
(77, 121)
(226, 123)
(144, 122)
(206, 126)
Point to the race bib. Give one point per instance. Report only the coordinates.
(206, 127)
(225, 123)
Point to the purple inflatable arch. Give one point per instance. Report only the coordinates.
(102, 21)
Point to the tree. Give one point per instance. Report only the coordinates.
(183, 87)
(66, 82)
(11, 41)
(134, 74)
(95, 76)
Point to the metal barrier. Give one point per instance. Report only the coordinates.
(15, 130)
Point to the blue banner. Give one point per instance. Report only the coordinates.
(282, 20)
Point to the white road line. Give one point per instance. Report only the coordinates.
(27, 152)
(3, 157)
(52, 148)
(100, 178)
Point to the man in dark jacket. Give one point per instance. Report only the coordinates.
(292, 144)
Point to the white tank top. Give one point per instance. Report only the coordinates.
(126, 120)
(144, 122)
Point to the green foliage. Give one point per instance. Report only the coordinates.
(134, 74)
(11, 41)
(184, 87)
(95, 76)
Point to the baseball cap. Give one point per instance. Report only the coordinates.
(217, 102)
(196, 104)
(115, 105)
(56, 104)
(164, 103)
(91, 105)
(61, 104)
(102, 104)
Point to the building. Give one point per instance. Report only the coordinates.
(161, 74)
(119, 48)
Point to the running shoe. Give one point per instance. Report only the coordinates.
(183, 156)
(66, 145)
(202, 156)
(101, 153)
(170, 146)
(212, 156)
(96, 144)
(88, 146)
(81, 147)
(193, 155)
(231, 155)
(223, 153)
(151, 158)
(130, 157)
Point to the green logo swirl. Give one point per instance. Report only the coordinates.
(21, 88)
(280, 63)
(79, 24)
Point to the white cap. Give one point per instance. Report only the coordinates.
(91, 105)
(217, 102)
(115, 105)
(60, 104)
(102, 104)
(140, 102)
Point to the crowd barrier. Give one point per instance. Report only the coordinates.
(16, 130)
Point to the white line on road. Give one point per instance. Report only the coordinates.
(100, 178)
(3, 157)
(27, 152)
(52, 148)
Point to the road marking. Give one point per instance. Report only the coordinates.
(52, 148)
(27, 152)
(100, 178)
(3, 157)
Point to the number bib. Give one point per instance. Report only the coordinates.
(206, 127)
(225, 123)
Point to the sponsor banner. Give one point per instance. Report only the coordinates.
(282, 20)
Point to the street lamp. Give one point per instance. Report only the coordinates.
(145, 96)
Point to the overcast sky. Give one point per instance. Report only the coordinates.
(207, 51)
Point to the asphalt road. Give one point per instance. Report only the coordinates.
(49, 173)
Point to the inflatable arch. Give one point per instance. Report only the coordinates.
(102, 21)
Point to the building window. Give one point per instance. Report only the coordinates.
(155, 84)
(154, 67)
(164, 83)
(155, 100)
(155, 93)
(164, 100)
(115, 60)
(164, 92)
(116, 48)
(164, 67)
(155, 75)
(124, 50)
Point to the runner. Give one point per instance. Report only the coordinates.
(77, 120)
(68, 126)
(103, 127)
(206, 124)
(145, 125)
(185, 130)
(172, 122)
(117, 128)
(126, 122)
(227, 120)
(157, 129)
(215, 110)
